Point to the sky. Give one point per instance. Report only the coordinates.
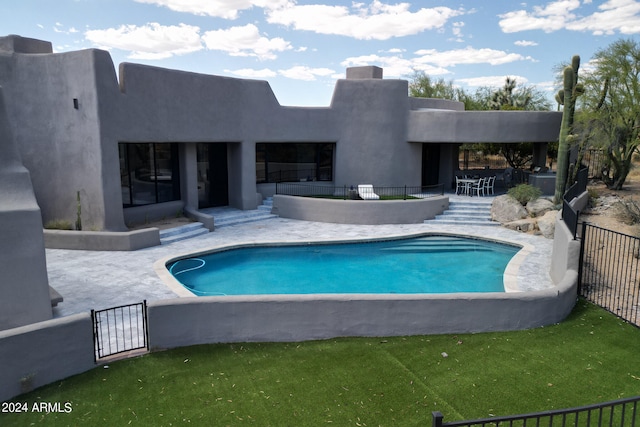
(301, 47)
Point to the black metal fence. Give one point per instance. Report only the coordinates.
(618, 413)
(351, 192)
(569, 214)
(595, 160)
(120, 329)
(610, 271)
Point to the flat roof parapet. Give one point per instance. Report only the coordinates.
(18, 44)
(366, 72)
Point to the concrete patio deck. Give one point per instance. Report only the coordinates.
(97, 280)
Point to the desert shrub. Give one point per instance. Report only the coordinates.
(524, 193)
(627, 211)
(58, 224)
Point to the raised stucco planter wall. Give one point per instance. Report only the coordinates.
(359, 211)
(38, 354)
(102, 240)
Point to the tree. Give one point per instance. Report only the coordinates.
(610, 115)
(511, 97)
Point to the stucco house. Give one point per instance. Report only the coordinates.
(149, 141)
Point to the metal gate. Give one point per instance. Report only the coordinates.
(120, 329)
(609, 271)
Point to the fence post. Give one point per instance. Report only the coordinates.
(405, 193)
(96, 341)
(436, 417)
(583, 238)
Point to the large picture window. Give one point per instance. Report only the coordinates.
(149, 173)
(278, 162)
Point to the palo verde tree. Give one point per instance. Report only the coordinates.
(610, 115)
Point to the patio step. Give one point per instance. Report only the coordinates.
(466, 212)
(236, 217)
(183, 232)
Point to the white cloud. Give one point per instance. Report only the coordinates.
(245, 41)
(227, 9)
(377, 21)
(491, 81)
(525, 43)
(300, 72)
(253, 74)
(614, 15)
(394, 66)
(217, 8)
(467, 55)
(150, 41)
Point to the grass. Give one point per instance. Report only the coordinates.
(591, 357)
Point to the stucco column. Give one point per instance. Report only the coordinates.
(189, 175)
(24, 286)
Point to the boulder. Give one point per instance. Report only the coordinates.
(524, 225)
(547, 224)
(539, 207)
(507, 209)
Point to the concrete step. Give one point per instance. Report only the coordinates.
(469, 213)
(463, 221)
(474, 211)
(247, 216)
(184, 232)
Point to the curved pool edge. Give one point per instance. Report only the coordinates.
(510, 276)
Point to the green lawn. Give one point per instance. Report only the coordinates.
(589, 358)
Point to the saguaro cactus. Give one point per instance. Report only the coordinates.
(567, 97)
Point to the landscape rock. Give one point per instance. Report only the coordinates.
(524, 225)
(505, 209)
(547, 224)
(539, 207)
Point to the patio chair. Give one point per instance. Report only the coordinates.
(489, 185)
(366, 192)
(478, 187)
(461, 187)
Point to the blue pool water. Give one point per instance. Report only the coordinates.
(431, 264)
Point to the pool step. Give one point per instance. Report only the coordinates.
(183, 232)
(466, 212)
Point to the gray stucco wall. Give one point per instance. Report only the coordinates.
(298, 318)
(487, 126)
(60, 145)
(359, 211)
(24, 286)
(35, 355)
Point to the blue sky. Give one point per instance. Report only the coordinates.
(302, 46)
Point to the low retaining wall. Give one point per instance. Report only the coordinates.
(41, 353)
(412, 211)
(102, 240)
(200, 320)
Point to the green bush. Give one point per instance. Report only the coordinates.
(524, 193)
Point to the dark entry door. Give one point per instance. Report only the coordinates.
(430, 164)
(213, 177)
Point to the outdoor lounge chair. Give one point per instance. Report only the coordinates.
(366, 192)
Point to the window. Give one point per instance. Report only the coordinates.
(277, 162)
(149, 173)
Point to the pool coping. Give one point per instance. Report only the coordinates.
(510, 275)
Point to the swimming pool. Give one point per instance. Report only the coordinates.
(422, 265)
